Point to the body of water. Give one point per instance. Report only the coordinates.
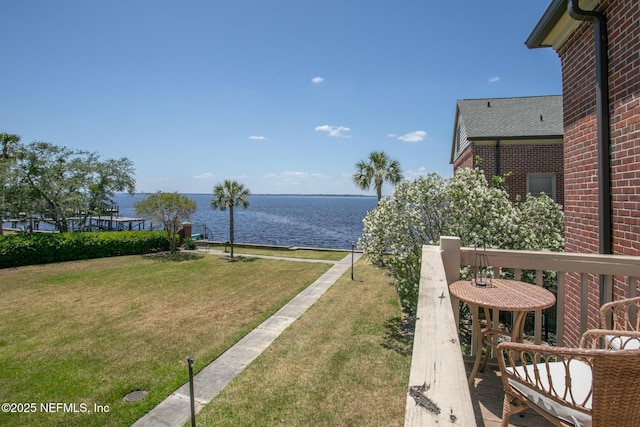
(287, 220)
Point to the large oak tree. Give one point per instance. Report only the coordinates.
(61, 185)
(8, 143)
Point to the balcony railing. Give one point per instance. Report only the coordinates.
(438, 390)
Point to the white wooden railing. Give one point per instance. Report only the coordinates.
(438, 392)
(626, 268)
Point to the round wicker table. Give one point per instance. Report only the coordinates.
(503, 295)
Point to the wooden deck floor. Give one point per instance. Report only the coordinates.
(487, 396)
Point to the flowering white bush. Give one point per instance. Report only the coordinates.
(416, 213)
(483, 213)
(545, 220)
(421, 211)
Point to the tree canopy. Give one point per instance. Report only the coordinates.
(377, 169)
(228, 195)
(58, 184)
(8, 143)
(467, 206)
(171, 209)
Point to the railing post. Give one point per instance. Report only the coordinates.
(450, 250)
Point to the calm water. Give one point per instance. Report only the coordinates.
(310, 221)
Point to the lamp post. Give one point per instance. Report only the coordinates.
(191, 394)
(353, 245)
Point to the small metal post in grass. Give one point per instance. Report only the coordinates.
(353, 245)
(193, 406)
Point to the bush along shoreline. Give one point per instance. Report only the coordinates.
(44, 248)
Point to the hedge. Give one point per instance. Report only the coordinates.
(40, 248)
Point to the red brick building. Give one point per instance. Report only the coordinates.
(599, 47)
(519, 136)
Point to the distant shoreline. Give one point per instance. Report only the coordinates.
(277, 194)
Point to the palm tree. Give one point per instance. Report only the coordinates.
(375, 170)
(229, 195)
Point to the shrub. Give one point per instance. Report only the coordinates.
(189, 244)
(40, 248)
(467, 206)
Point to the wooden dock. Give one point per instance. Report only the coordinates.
(119, 223)
(93, 223)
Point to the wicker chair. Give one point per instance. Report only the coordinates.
(593, 385)
(621, 315)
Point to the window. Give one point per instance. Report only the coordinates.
(542, 183)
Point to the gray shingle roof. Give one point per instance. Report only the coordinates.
(491, 118)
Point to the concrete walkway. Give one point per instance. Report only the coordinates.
(175, 410)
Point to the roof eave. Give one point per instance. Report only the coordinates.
(453, 140)
(556, 25)
(549, 20)
(515, 137)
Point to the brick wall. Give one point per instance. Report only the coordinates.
(519, 159)
(625, 125)
(464, 161)
(580, 147)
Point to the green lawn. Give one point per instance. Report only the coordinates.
(343, 363)
(288, 253)
(86, 333)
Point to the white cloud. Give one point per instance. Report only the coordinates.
(205, 175)
(494, 79)
(320, 175)
(295, 174)
(257, 138)
(391, 135)
(286, 176)
(414, 174)
(416, 136)
(338, 131)
(303, 182)
(317, 80)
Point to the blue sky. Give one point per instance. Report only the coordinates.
(284, 96)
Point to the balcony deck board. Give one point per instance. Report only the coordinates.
(487, 396)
